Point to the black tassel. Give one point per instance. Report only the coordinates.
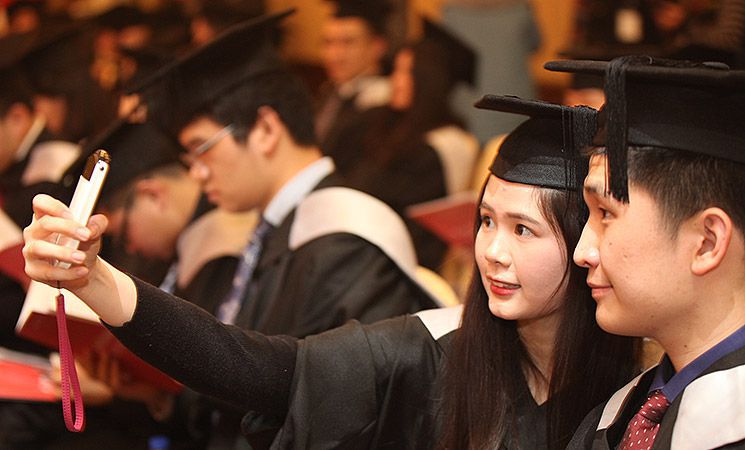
(616, 141)
(584, 127)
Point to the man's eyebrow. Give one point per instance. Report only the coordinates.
(594, 189)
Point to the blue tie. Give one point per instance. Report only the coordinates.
(228, 309)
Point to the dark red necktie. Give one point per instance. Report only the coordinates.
(643, 426)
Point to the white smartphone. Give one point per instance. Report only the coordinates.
(86, 194)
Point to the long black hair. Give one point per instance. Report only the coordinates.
(482, 377)
(390, 132)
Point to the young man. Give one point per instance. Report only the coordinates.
(353, 48)
(665, 249)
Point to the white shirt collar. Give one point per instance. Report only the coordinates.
(28, 140)
(295, 190)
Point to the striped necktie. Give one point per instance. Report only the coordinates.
(231, 305)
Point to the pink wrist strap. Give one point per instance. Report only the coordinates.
(69, 376)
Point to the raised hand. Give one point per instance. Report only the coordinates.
(52, 219)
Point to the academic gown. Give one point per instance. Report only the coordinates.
(709, 413)
(208, 252)
(411, 177)
(324, 283)
(300, 291)
(38, 172)
(359, 96)
(357, 386)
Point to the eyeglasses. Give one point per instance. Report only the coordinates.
(191, 157)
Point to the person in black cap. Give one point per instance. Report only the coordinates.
(665, 249)
(414, 149)
(353, 51)
(527, 363)
(30, 154)
(157, 212)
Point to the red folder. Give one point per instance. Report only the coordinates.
(24, 377)
(451, 218)
(37, 323)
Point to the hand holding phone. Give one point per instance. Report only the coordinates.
(86, 194)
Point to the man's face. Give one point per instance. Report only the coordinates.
(229, 172)
(7, 148)
(14, 125)
(350, 49)
(636, 269)
(147, 224)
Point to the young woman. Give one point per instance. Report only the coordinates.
(526, 364)
(414, 149)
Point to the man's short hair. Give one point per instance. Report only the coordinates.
(282, 91)
(684, 183)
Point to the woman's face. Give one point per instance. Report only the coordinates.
(520, 259)
(402, 80)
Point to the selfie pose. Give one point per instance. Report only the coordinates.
(522, 369)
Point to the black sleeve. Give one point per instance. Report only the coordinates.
(244, 368)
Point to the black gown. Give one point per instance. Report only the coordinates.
(410, 177)
(357, 386)
(324, 283)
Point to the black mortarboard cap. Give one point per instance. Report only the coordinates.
(223, 13)
(181, 89)
(13, 83)
(459, 57)
(135, 148)
(148, 60)
(546, 149)
(57, 57)
(680, 105)
(374, 12)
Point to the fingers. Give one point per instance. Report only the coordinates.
(43, 246)
(46, 226)
(44, 204)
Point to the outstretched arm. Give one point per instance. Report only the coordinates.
(239, 367)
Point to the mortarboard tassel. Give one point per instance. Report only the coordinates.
(617, 148)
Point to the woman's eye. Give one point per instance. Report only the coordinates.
(605, 214)
(522, 230)
(486, 221)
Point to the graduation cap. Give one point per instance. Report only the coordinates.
(546, 149)
(374, 12)
(458, 56)
(14, 86)
(679, 105)
(184, 87)
(57, 58)
(223, 13)
(135, 148)
(602, 52)
(147, 61)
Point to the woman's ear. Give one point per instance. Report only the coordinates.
(713, 230)
(267, 131)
